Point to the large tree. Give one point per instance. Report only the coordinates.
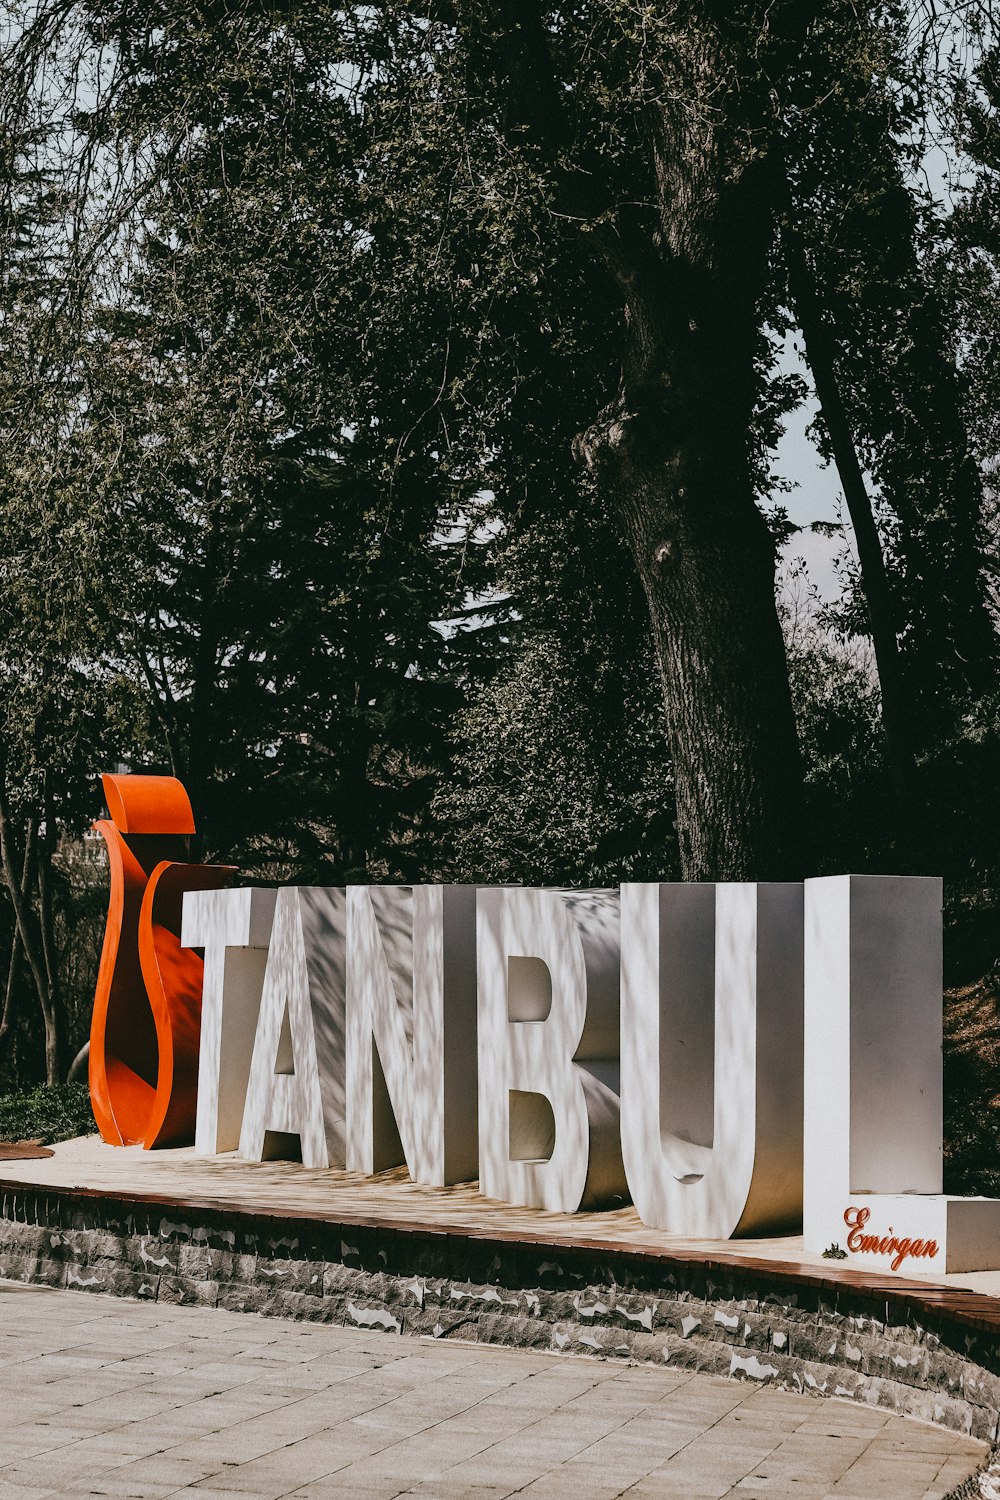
(656, 136)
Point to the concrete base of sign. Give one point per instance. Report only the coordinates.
(915, 1234)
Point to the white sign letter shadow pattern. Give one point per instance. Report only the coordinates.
(548, 1048)
(712, 1056)
(297, 1073)
(411, 1031)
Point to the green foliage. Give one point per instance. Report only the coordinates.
(836, 698)
(971, 1055)
(537, 797)
(972, 1146)
(560, 775)
(55, 1113)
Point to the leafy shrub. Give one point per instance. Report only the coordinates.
(46, 1114)
(971, 1100)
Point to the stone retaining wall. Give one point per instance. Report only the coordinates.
(750, 1323)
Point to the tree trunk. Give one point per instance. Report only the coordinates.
(201, 729)
(673, 452)
(896, 705)
(706, 561)
(356, 804)
(51, 999)
(31, 938)
(10, 993)
(853, 210)
(16, 947)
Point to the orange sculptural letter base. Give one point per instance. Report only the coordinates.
(147, 1009)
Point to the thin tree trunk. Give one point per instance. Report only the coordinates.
(51, 1004)
(896, 707)
(908, 398)
(26, 922)
(16, 947)
(201, 737)
(164, 706)
(7, 1018)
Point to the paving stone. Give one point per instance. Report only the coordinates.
(155, 1399)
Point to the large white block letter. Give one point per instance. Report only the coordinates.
(548, 1048)
(234, 928)
(296, 1086)
(411, 1031)
(873, 1104)
(712, 1056)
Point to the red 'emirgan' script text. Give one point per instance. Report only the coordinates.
(886, 1244)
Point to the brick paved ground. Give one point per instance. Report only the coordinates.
(100, 1396)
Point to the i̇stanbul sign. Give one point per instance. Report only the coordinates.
(735, 1058)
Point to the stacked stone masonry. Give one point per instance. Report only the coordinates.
(743, 1322)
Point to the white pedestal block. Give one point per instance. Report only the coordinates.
(411, 1031)
(234, 928)
(873, 1096)
(712, 1056)
(915, 1234)
(548, 1048)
